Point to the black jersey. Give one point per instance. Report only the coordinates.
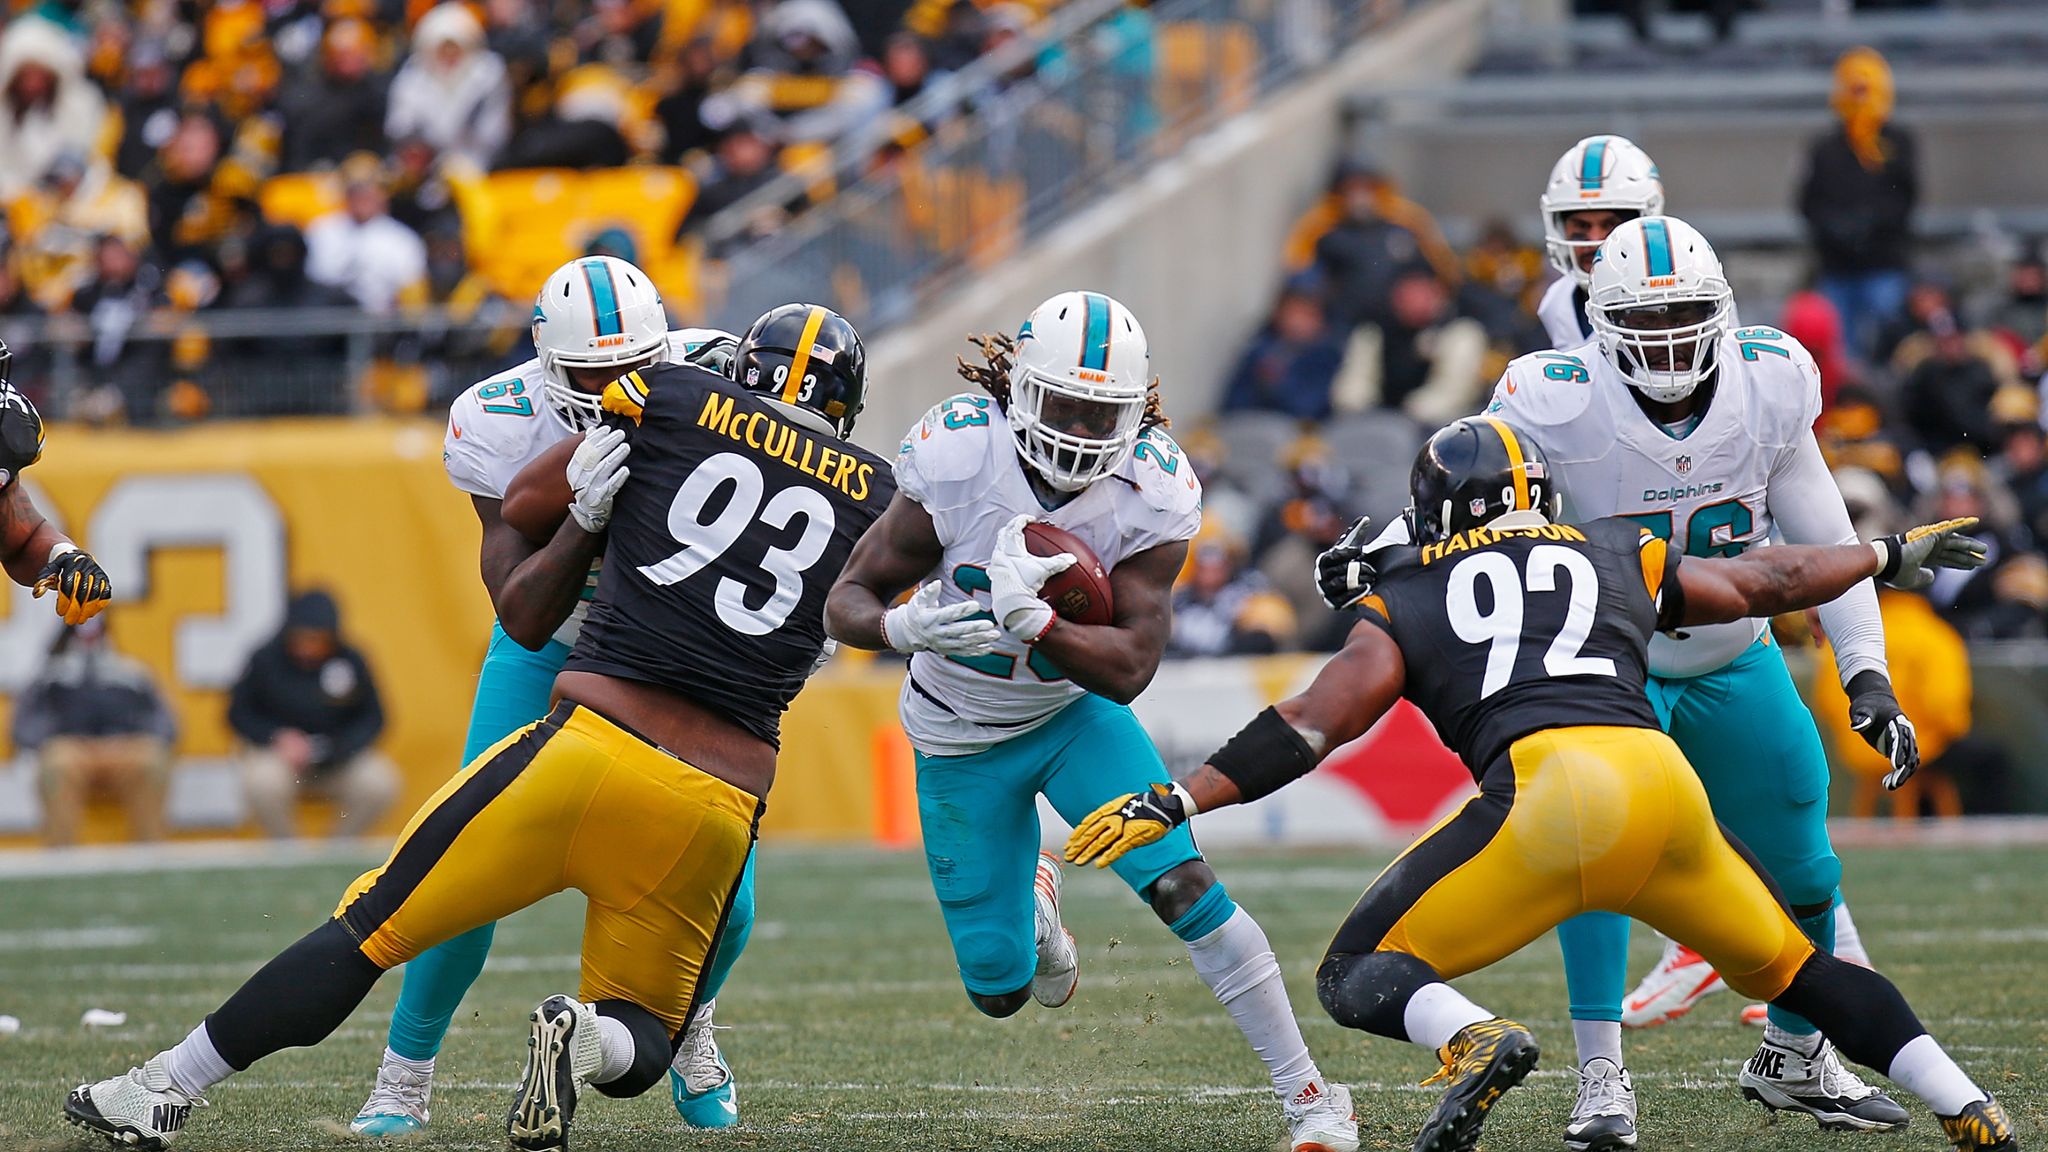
(724, 541)
(1508, 631)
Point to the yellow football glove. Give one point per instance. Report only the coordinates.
(79, 581)
(1130, 821)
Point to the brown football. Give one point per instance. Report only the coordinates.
(1081, 593)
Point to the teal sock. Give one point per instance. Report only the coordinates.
(1595, 948)
(1209, 912)
(732, 939)
(435, 982)
(1821, 930)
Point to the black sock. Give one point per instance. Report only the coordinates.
(1861, 1011)
(653, 1048)
(296, 1000)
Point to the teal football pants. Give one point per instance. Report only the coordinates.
(979, 814)
(514, 690)
(1751, 739)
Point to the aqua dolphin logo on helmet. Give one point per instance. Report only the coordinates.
(595, 312)
(1600, 172)
(1659, 304)
(1078, 386)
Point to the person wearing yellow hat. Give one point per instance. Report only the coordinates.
(1861, 184)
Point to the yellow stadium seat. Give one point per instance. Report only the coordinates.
(299, 198)
(1205, 68)
(648, 202)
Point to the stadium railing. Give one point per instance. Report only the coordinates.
(1058, 119)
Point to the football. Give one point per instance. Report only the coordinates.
(1081, 593)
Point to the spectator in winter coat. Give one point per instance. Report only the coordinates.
(1858, 196)
(1288, 367)
(308, 716)
(452, 90)
(46, 103)
(94, 719)
(339, 110)
(361, 249)
(1948, 395)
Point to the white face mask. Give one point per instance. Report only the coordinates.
(1071, 434)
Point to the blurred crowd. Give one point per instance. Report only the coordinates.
(1931, 386)
(160, 159)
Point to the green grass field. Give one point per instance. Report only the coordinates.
(849, 1031)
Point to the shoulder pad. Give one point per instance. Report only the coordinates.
(1544, 389)
(627, 396)
(1162, 474)
(492, 424)
(1782, 379)
(955, 442)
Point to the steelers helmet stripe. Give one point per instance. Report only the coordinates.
(1657, 248)
(1095, 332)
(1590, 167)
(800, 359)
(1517, 467)
(604, 297)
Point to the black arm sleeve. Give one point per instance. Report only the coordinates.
(1265, 756)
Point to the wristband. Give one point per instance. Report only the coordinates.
(1890, 555)
(1265, 756)
(60, 548)
(1188, 806)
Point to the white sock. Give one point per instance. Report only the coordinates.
(1848, 941)
(195, 1064)
(1923, 1069)
(1597, 1038)
(615, 1050)
(423, 1067)
(1237, 964)
(1805, 1045)
(1438, 1012)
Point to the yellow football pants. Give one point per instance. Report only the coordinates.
(1574, 820)
(574, 801)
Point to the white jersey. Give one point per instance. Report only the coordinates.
(1750, 467)
(1563, 313)
(502, 423)
(960, 463)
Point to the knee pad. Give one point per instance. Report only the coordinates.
(1370, 990)
(1173, 895)
(990, 960)
(1811, 882)
(653, 1048)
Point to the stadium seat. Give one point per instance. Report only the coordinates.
(1205, 68)
(299, 198)
(1374, 449)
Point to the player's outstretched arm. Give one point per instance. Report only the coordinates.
(535, 585)
(1280, 745)
(1119, 659)
(1787, 578)
(25, 536)
(38, 556)
(898, 549)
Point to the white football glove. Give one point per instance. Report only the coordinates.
(596, 473)
(1014, 578)
(919, 624)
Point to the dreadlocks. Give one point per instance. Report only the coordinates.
(992, 375)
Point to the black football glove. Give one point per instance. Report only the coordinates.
(1908, 560)
(80, 583)
(1343, 574)
(1874, 714)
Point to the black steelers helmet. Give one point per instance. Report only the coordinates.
(806, 355)
(1475, 470)
(21, 426)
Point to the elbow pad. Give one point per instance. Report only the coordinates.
(1265, 756)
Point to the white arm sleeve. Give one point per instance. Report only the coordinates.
(1807, 508)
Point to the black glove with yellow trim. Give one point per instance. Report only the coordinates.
(80, 583)
(1908, 559)
(1132, 820)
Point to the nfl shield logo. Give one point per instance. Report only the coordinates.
(1684, 465)
(1478, 506)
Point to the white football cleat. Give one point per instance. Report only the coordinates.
(1781, 1077)
(1059, 962)
(562, 1054)
(1604, 1117)
(141, 1110)
(699, 1080)
(1681, 979)
(1320, 1118)
(398, 1103)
